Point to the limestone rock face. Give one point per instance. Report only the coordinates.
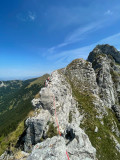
(53, 149)
(81, 73)
(56, 100)
(35, 129)
(105, 61)
(104, 49)
(102, 66)
(6, 156)
(36, 103)
(56, 147)
(80, 147)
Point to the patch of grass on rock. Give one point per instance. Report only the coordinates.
(52, 131)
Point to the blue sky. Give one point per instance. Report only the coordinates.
(37, 36)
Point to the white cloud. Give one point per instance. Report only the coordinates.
(62, 16)
(52, 49)
(31, 16)
(66, 56)
(108, 12)
(77, 35)
(25, 17)
(81, 32)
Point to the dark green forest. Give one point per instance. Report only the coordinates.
(15, 102)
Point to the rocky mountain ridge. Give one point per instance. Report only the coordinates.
(85, 96)
(65, 104)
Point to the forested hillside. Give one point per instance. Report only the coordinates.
(15, 104)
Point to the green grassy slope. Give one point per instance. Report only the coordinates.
(102, 140)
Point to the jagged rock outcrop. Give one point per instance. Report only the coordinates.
(82, 75)
(58, 94)
(55, 148)
(36, 103)
(104, 58)
(104, 49)
(107, 91)
(35, 128)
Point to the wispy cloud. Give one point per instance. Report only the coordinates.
(84, 20)
(66, 56)
(77, 35)
(61, 16)
(108, 12)
(25, 17)
(81, 33)
(31, 16)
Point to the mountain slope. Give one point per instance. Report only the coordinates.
(15, 103)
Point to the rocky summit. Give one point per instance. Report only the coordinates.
(77, 115)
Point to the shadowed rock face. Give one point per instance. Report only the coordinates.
(116, 109)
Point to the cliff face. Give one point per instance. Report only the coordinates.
(104, 59)
(106, 63)
(84, 99)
